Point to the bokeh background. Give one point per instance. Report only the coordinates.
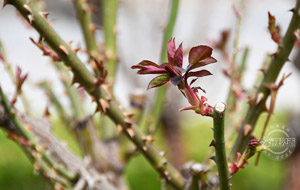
(139, 36)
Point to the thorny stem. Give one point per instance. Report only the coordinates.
(270, 77)
(109, 26)
(88, 28)
(100, 95)
(161, 92)
(219, 144)
(231, 99)
(34, 143)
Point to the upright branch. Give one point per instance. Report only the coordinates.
(257, 104)
(219, 144)
(110, 8)
(100, 95)
(157, 108)
(88, 28)
(235, 71)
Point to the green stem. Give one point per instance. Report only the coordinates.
(221, 160)
(157, 109)
(71, 91)
(64, 117)
(231, 99)
(109, 26)
(88, 28)
(99, 94)
(270, 77)
(34, 143)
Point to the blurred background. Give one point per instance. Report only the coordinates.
(140, 26)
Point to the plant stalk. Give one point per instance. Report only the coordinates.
(160, 97)
(270, 77)
(219, 144)
(109, 26)
(99, 94)
(88, 28)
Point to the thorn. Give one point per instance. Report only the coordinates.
(128, 115)
(63, 49)
(5, 2)
(44, 14)
(93, 28)
(31, 18)
(107, 87)
(213, 158)
(75, 50)
(150, 139)
(251, 100)
(27, 8)
(259, 98)
(128, 122)
(162, 153)
(144, 139)
(145, 148)
(47, 113)
(264, 108)
(130, 132)
(247, 130)
(292, 10)
(120, 128)
(167, 174)
(213, 143)
(74, 80)
(70, 42)
(104, 104)
(85, 8)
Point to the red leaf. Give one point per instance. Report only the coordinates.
(202, 63)
(148, 67)
(199, 53)
(201, 73)
(171, 48)
(274, 29)
(178, 56)
(158, 81)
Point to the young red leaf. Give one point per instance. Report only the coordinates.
(171, 48)
(199, 53)
(201, 63)
(201, 73)
(158, 81)
(148, 67)
(274, 29)
(178, 56)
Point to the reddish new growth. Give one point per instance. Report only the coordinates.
(242, 160)
(173, 71)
